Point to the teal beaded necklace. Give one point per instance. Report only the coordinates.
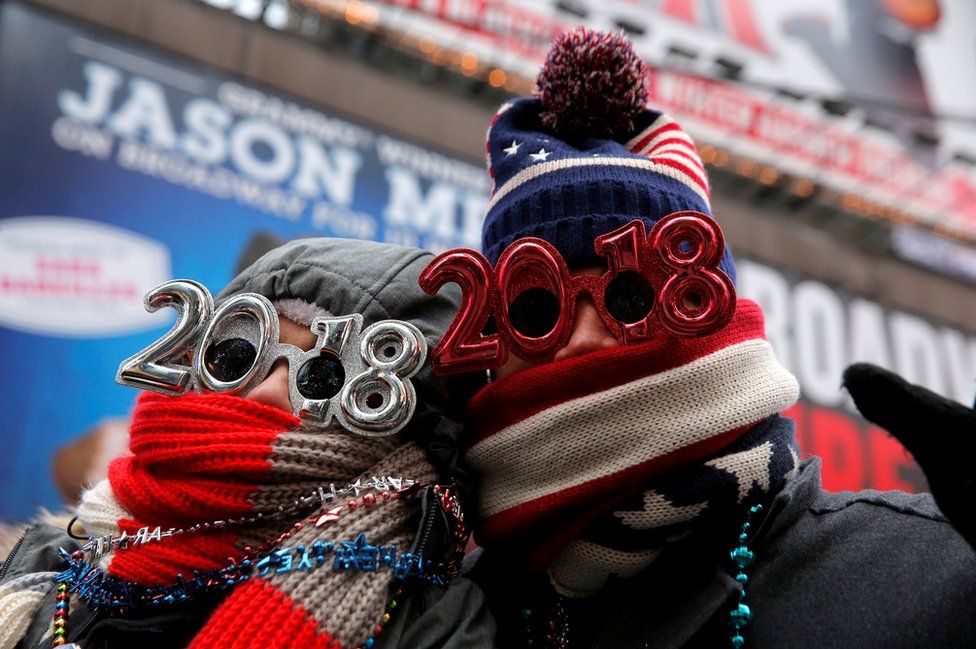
(739, 616)
(742, 557)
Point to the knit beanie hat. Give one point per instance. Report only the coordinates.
(585, 156)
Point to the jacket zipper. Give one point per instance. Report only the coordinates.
(10, 557)
(428, 523)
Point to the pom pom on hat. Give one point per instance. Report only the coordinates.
(586, 156)
(593, 84)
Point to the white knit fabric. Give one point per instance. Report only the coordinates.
(299, 311)
(662, 120)
(584, 567)
(657, 511)
(682, 151)
(574, 442)
(543, 168)
(19, 600)
(750, 467)
(670, 134)
(100, 513)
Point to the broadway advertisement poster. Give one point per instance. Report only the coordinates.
(123, 167)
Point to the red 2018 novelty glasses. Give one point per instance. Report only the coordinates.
(666, 282)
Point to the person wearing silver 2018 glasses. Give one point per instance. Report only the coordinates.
(293, 480)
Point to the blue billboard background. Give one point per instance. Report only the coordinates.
(121, 166)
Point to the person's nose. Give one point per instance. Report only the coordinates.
(273, 390)
(589, 332)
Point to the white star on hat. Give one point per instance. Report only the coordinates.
(512, 150)
(540, 156)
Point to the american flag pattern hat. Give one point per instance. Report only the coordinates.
(586, 155)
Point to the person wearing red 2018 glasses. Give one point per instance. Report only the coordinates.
(638, 484)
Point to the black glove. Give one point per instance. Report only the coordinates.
(939, 432)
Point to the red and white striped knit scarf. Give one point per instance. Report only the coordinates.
(560, 446)
(203, 458)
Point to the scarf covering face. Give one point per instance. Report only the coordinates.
(571, 453)
(200, 458)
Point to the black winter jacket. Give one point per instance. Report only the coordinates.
(859, 570)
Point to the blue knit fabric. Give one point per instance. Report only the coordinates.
(571, 207)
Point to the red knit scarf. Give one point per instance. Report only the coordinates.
(560, 444)
(194, 459)
(202, 458)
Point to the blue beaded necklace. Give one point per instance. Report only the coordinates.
(742, 557)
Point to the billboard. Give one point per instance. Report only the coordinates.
(123, 167)
(817, 330)
(872, 97)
